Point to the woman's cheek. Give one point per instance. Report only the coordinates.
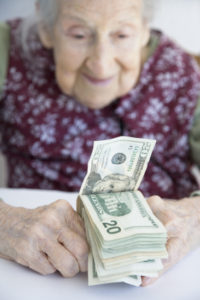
(65, 80)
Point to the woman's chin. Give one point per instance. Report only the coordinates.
(90, 101)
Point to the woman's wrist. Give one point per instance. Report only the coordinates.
(9, 216)
(3, 221)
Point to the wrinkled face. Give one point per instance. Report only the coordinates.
(98, 46)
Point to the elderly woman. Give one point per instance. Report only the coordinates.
(91, 70)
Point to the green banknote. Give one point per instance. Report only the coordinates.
(117, 165)
(127, 240)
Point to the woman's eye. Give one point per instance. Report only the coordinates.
(122, 36)
(79, 36)
(78, 33)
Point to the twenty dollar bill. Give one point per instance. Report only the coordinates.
(126, 239)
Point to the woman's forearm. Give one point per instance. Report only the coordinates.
(4, 228)
(9, 217)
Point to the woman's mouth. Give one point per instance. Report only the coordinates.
(98, 81)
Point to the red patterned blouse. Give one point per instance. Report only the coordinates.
(47, 136)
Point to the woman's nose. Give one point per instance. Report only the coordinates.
(101, 60)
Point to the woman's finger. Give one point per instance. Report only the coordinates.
(76, 245)
(38, 262)
(174, 255)
(61, 258)
(161, 210)
(41, 264)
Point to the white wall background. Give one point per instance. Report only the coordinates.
(180, 19)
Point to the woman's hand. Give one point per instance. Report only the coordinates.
(45, 239)
(182, 221)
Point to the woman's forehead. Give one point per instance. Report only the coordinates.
(107, 8)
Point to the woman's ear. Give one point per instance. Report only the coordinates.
(43, 31)
(45, 36)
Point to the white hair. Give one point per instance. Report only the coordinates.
(48, 10)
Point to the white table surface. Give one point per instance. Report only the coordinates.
(19, 283)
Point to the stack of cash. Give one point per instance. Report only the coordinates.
(127, 241)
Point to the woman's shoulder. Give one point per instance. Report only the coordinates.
(167, 53)
(171, 68)
(4, 52)
(166, 92)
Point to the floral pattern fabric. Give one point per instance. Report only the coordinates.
(47, 136)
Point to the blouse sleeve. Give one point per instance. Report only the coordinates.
(194, 137)
(4, 53)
